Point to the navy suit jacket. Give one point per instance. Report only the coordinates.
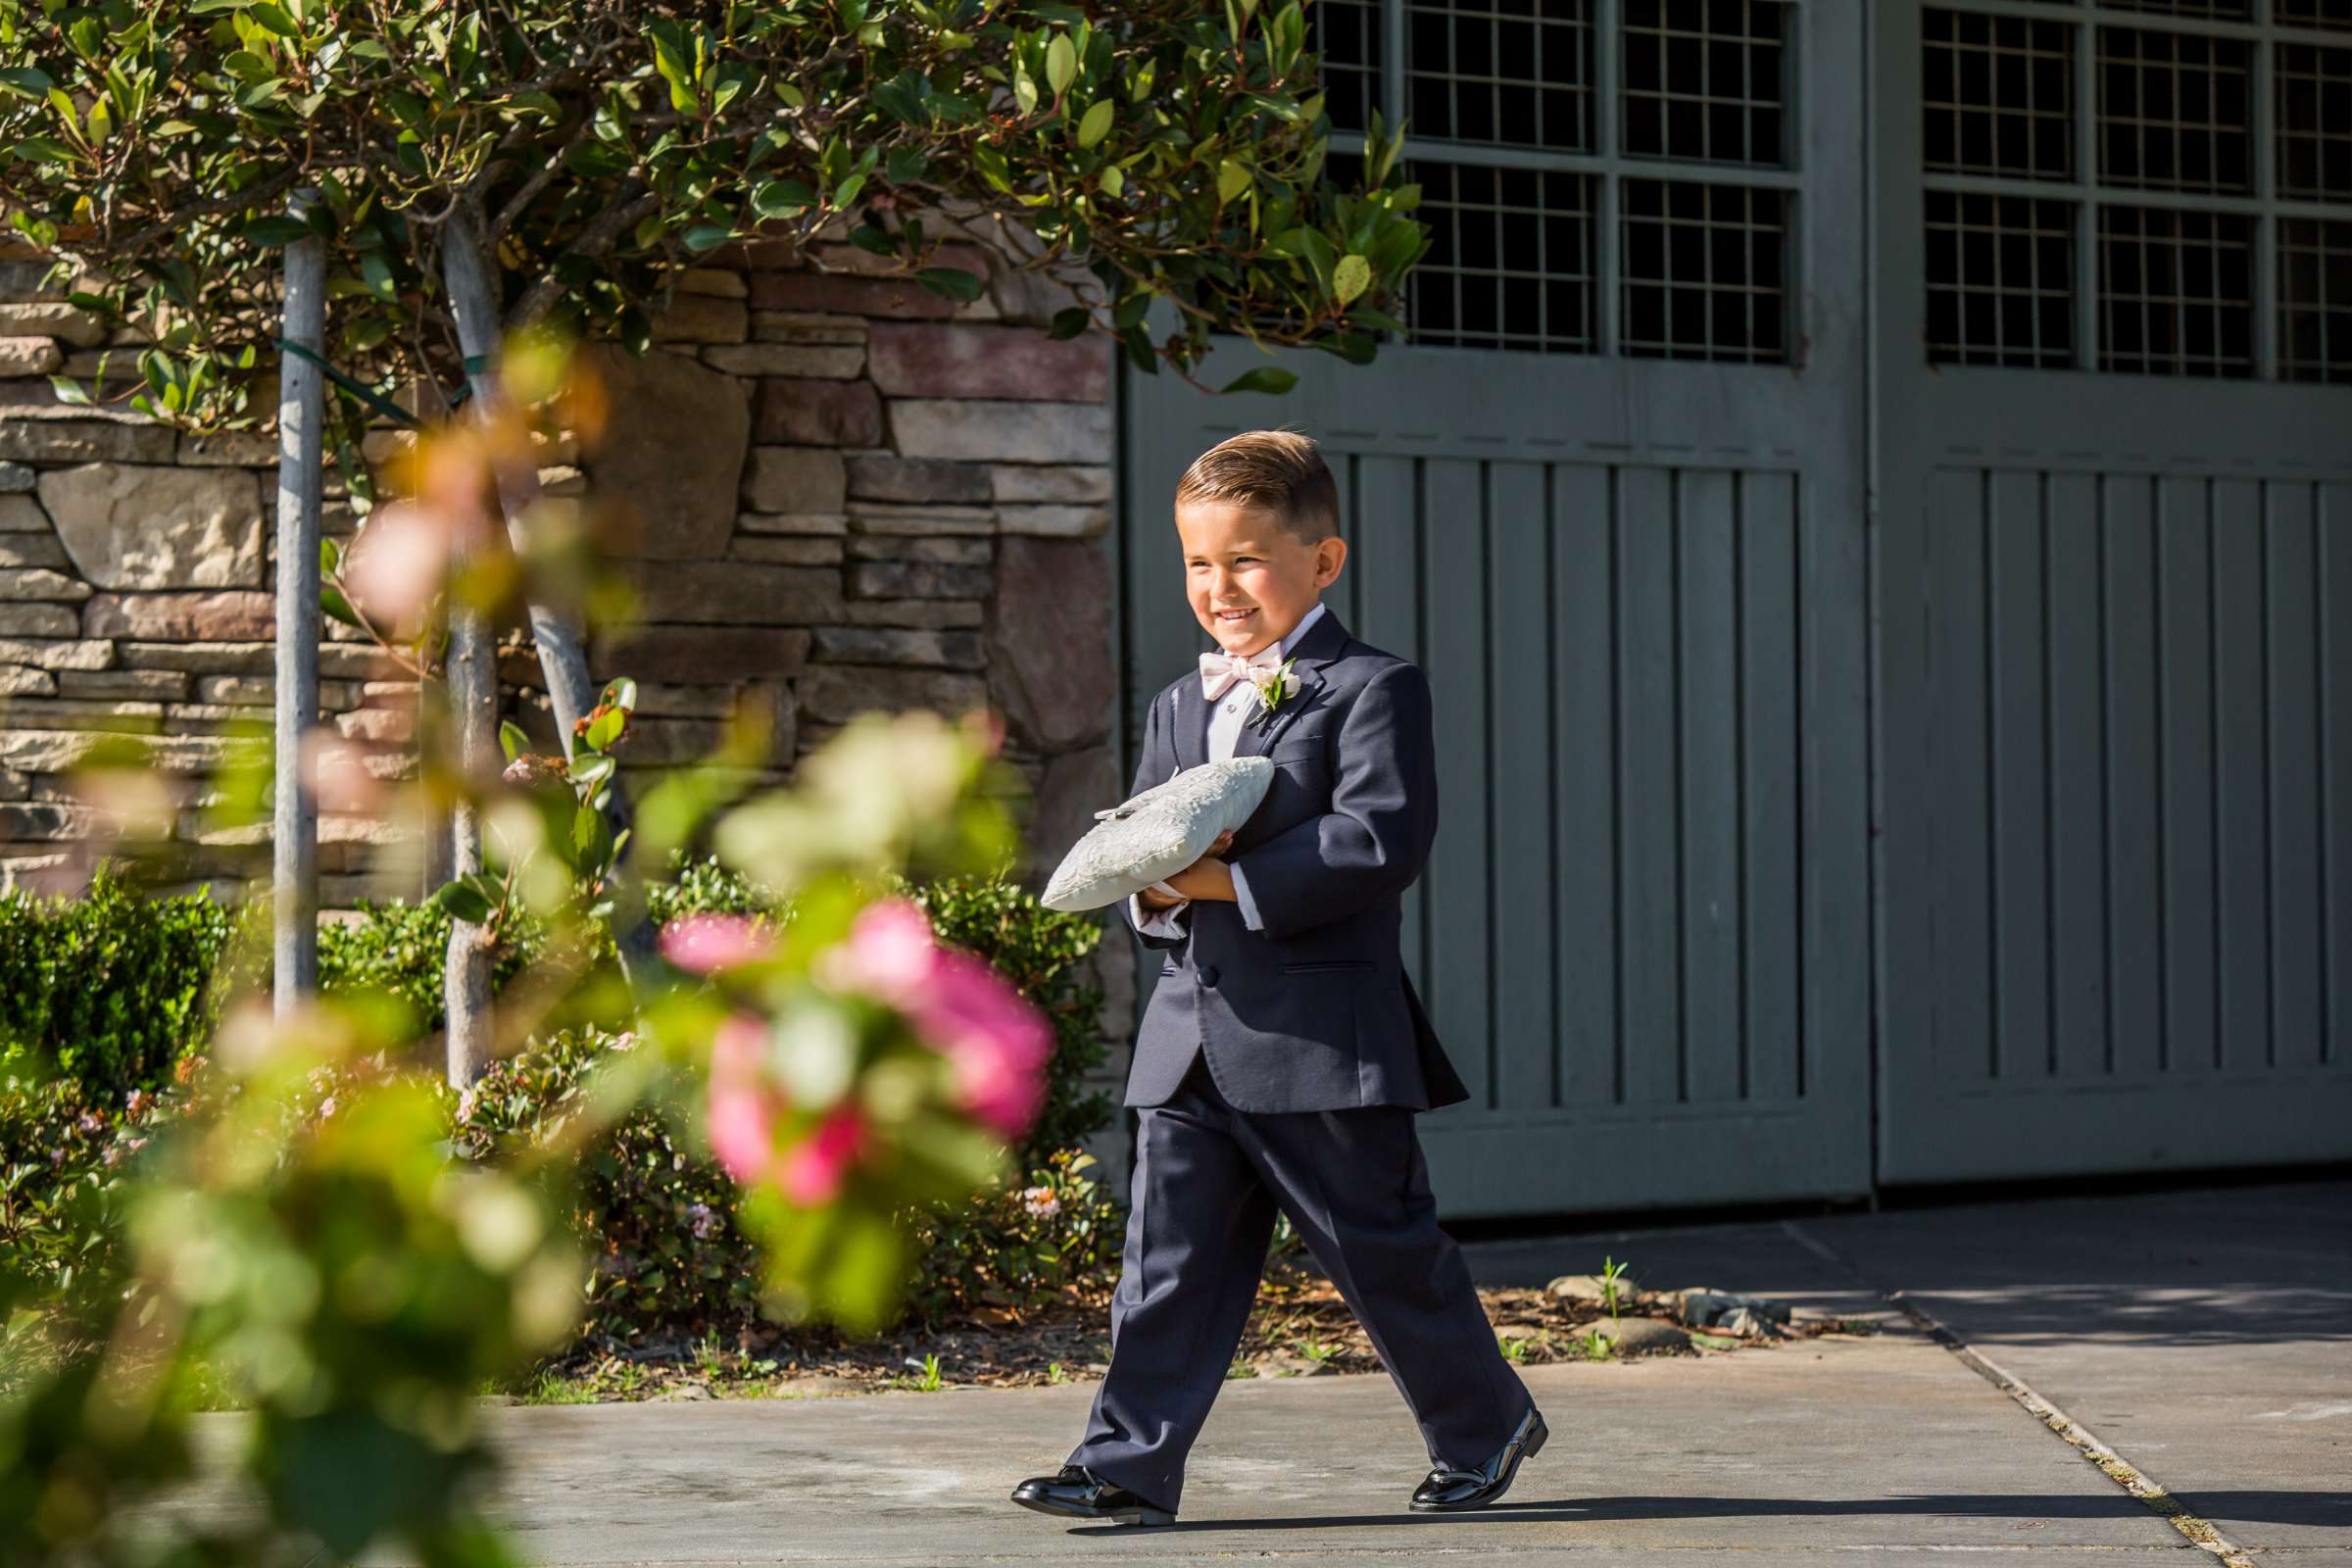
(1297, 994)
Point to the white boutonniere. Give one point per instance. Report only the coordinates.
(1273, 684)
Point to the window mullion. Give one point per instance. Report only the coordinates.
(1607, 243)
(2086, 214)
(2265, 190)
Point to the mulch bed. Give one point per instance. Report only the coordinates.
(1300, 1327)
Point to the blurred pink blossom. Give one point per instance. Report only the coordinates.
(959, 1006)
(739, 1110)
(396, 562)
(701, 943)
(814, 1170)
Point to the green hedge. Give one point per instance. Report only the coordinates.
(111, 987)
(125, 993)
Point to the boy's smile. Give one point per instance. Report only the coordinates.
(1248, 578)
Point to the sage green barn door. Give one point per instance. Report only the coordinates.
(2116, 576)
(1611, 498)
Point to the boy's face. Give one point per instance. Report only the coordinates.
(1251, 579)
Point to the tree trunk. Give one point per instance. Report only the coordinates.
(466, 275)
(294, 855)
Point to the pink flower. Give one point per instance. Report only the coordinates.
(739, 1112)
(813, 1172)
(888, 954)
(395, 564)
(1042, 1202)
(701, 943)
(327, 1107)
(959, 1006)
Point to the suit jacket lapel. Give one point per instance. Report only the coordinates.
(1324, 642)
(1189, 731)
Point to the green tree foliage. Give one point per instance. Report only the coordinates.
(1176, 149)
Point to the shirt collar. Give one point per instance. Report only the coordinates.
(1299, 632)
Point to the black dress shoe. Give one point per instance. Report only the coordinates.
(1077, 1493)
(1450, 1490)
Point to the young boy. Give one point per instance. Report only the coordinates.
(1284, 1052)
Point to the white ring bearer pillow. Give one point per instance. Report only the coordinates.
(1158, 833)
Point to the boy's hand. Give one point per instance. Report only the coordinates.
(1205, 878)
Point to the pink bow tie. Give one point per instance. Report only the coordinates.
(1221, 669)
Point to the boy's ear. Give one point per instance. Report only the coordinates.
(1330, 555)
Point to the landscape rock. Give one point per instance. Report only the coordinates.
(1640, 1336)
(1592, 1288)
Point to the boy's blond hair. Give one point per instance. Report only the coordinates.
(1279, 470)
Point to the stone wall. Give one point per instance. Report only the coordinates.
(847, 493)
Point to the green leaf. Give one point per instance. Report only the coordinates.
(605, 729)
(1232, 179)
(332, 601)
(48, 149)
(622, 691)
(703, 237)
(782, 198)
(31, 80)
(1270, 379)
(1096, 125)
(1069, 322)
(275, 230)
(952, 281)
(464, 900)
(1350, 277)
(511, 739)
(1062, 63)
(276, 20)
(592, 769)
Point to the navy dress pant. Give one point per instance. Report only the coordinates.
(1207, 1182)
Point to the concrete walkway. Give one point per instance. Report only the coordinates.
(2206, 1338)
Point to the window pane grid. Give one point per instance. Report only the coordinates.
(1702, 80)
(2001, 280)
(2175, 111)
(2207, 10)
(1998, 94)
(2314, 299)
(1510, 259)
(1347, 34)
(2313, 13)
(1703, 270)
(2175, 292)
(2215, 272)
(2314, 120)
(1508, 73)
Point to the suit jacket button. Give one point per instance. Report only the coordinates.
(1208, 974)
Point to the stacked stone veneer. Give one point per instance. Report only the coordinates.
(840, 492)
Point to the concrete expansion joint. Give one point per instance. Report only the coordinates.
(2198, 1531)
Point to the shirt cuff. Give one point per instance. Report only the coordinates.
(1159, 922)
(1252, 919)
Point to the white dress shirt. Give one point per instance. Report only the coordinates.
(1224, 732)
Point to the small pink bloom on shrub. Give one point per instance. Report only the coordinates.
(1042, 1202)
(701, 943)
(998, 1041)
(959, 1006)
(327, 1107)
(738, 1113)
(814, 1170)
